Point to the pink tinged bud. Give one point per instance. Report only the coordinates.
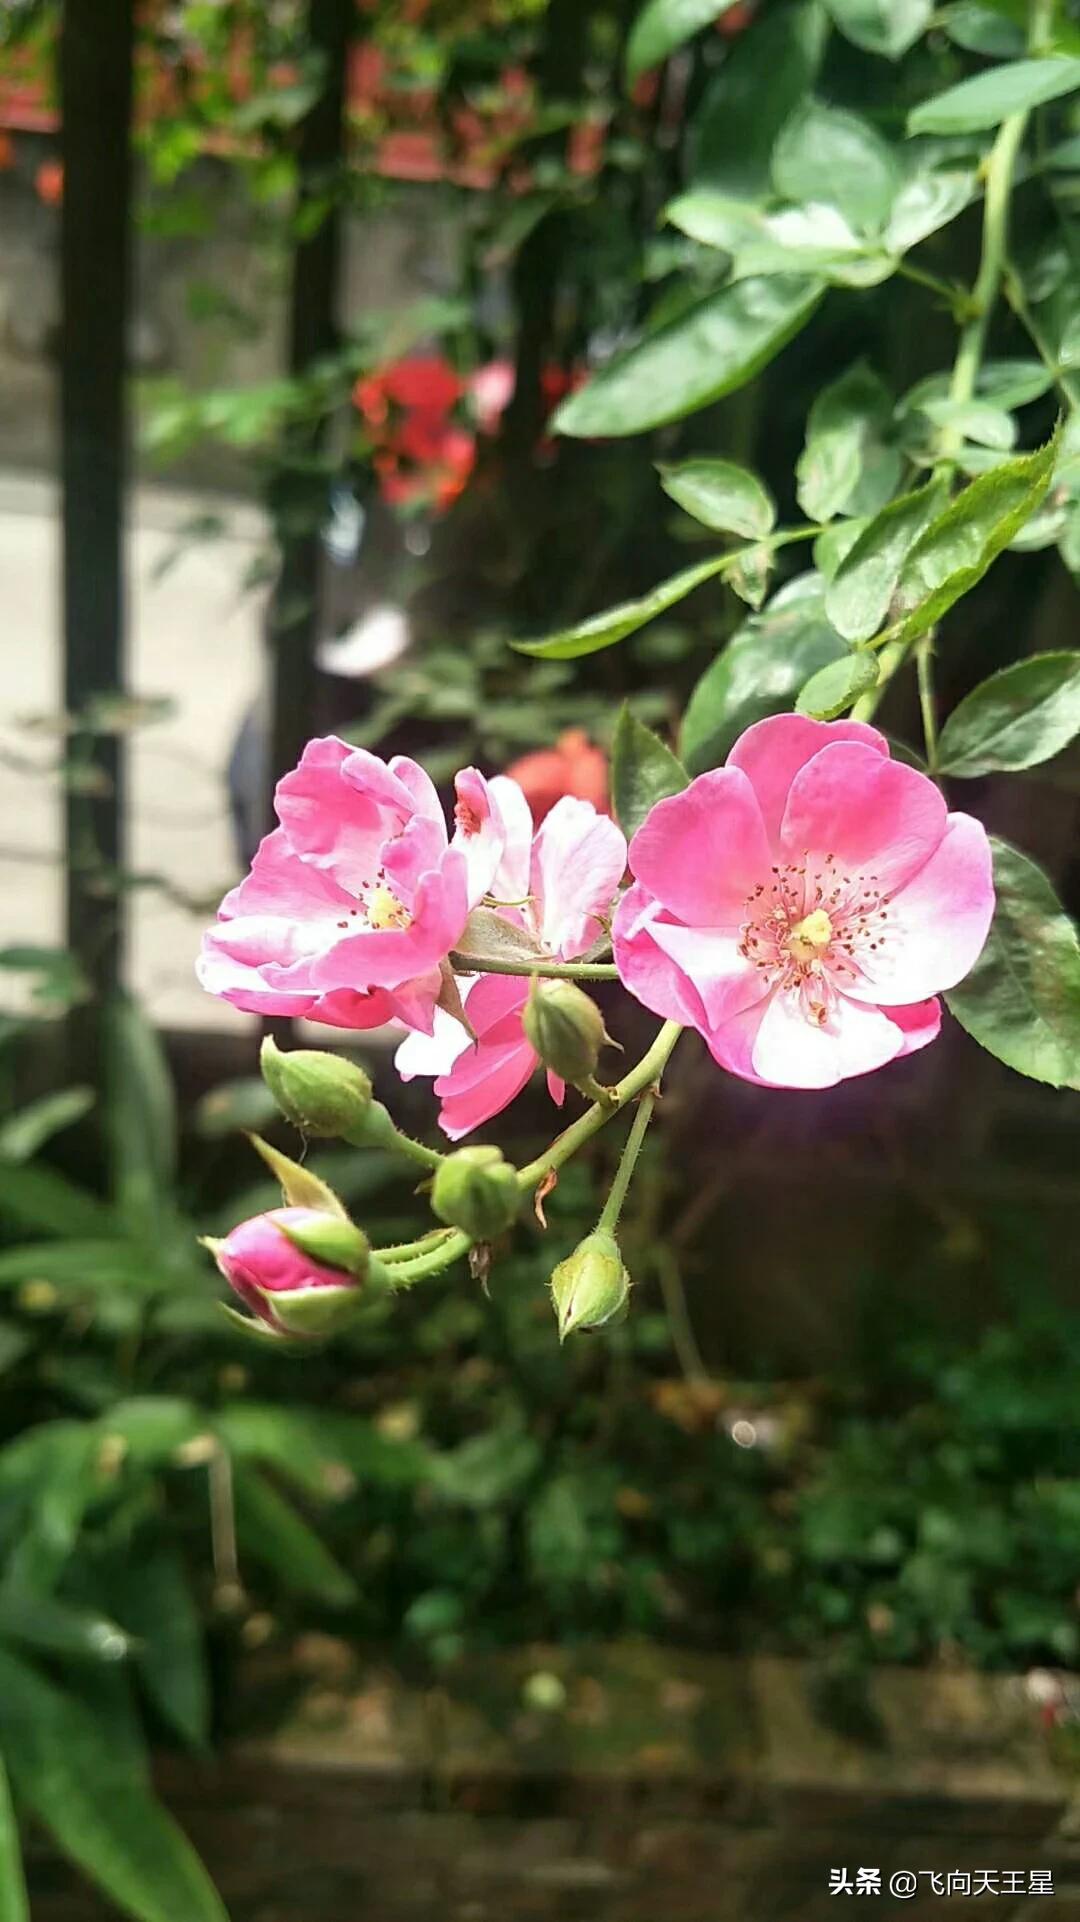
(285, 1285)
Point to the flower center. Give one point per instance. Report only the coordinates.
(384, 910)
(810, 937)
(813, 930)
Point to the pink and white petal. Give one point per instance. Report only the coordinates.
(493, 1001)
(649, 974)
(435, 1053)
(791, 1051)
(732, 1043)
(511, 882)
(389, 957)
(725, 980)
(280, 883)
(470, 1100)
(938, 923)
(772, 751)
(419, 847)
(244, 987)
(880, 819)
(479, 832)
(578, 860)
(556, 1088)
(339, 823)
(345, 1008)
(421, 787)
(919, 1024)
(702, 851)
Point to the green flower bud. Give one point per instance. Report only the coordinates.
(591, 1286)
(477, 1191)
(565, 1028)
(321, 1094)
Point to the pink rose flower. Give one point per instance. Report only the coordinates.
(355, 900)
(566, 876)
(258, 1260)
(804, 905)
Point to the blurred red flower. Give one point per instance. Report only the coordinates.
(575, 765)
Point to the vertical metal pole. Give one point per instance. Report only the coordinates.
(96, 55)
(312, 334)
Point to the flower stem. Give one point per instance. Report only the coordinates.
(404, 1273)
(550, 970)
(648, 1070)
(609, 1219)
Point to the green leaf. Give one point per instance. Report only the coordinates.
(1023, 715)
(38, 1197)
(81, 1267)
(748, 575)
(927, 202)
(156, 1605)
(14, 1906)
(1021, 1000)
(979, 29)
(953, 553)
(827, 155)
(58, 1627)
(22, 1134)
(270, 1529)
(736, 125)
(976, 420)
(835, 688)
(301, 1187)
(81, 1784)
(664, 25)
(721, 495)
(140, 1113)
(887, 27)
(604, 630)
(643, 771)
(843, 441)
(760, 671)
(859, 595)
(991, 97)
(719, 345)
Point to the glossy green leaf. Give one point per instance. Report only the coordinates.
(834, 543)
(976, 420)
(718, 346)
(735, 127)
(604, 630)
(70, 1767)
(721, 495)
(828, 155)
(861, 591)
(843, 440)
(927, 202)
(760, 671)
(980, 29)
(748, 576)
(1023, 715)
(643, 771)
(835, 688)
(887, 27)
(664, 25)
(715, 219)
(58, 1627)
(1021, 1000)
(955, 550)
(991, 97)
(14, 1906)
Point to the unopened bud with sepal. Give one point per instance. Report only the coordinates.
(299, 1270)
(591, 1287)
(322, 1095)
(564, 1026)
(477, 1191)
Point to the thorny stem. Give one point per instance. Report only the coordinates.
(550, 970)
(993, 265)
(609, 1219)
(648, 1070)
(415, 1262)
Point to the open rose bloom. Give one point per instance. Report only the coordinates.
(559, 884)
(804, 906)
(354, 902)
